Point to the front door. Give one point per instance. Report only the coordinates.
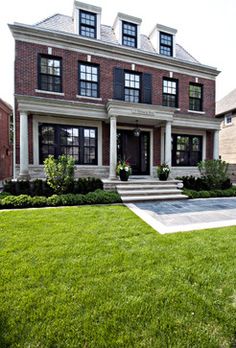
(134, 149)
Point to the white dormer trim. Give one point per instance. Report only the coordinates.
(155, 36)
(117, 26)
(89, 8)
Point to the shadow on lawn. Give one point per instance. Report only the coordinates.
(3, 332)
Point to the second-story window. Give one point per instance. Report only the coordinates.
(129, 34)
(195, 97)
(166, 44)
(88, 23)
(88, 80)
(170, 93)
(132, 87)
(50, 74)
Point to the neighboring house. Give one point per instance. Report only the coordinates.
(101, 93)
(226, 112)
(5, 141)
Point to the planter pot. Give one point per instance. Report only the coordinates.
(124, 176)
(163, 177)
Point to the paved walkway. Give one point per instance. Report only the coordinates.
(187, 215)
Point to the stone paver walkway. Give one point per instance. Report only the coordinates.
(187, 215)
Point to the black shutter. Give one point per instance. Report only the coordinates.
(147, 89)
(118, 83)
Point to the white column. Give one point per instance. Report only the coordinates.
(168, 144)
(216, 145)
(24, 151)
(113, 148)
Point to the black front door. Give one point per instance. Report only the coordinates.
(134, 149)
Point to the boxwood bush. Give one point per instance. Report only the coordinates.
(202, 183)
(231, 192)
(26, 201)
(40, 187)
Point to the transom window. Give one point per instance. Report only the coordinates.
(129, 34)
(166, 44)
(78, 142)
(50, 74)
(88, 23)
(186, 150)
(170, 93)
(88, 80)
(132, 87)
(195, 97)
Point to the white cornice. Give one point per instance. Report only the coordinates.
(60, 107)
(201, 122)
(137, 110)
(100, 48)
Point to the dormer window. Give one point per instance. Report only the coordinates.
(88, 24)
(129, 34)
(166, 44)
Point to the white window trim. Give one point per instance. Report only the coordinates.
(89, 98)
(197, 112)
(49, 92)
(73, 122)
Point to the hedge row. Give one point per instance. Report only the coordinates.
(231, 192)
(203, 183)
(25, 201)
(40, 187)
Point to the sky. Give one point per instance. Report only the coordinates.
(206, 29)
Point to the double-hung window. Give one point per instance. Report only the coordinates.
(166, 44)
(132, 87)
(88, 80)
(170, 93)
(129, 34)
(50, 74)
(78, 142)
(195, 97)
(88, 24)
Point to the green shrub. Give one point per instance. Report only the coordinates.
(202, 183)
(60, 173)
(231, 192)
(25, 201)
(214, 172)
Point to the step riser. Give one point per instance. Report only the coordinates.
(145, 187)
(152, 198)
(148, 193)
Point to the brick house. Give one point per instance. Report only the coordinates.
(102, 93)
(5, 141)
(226, 112)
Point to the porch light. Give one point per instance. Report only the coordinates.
(137, 130)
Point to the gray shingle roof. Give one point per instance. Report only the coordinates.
(59, 22)
(226, 104)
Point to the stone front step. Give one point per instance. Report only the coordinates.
(137, 190)
(129, 199)
(153, 192)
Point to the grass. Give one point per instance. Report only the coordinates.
(100, 277)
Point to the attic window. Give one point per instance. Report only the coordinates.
(88, 24)
(129, 34)
(166, 44)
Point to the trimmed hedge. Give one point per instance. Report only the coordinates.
(40, 187)
(231, 192)
(26, 201)
(202, 183)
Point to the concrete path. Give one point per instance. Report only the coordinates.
(187, 215)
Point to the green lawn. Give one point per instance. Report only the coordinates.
(100, 277)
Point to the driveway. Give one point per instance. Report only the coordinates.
(187, 215)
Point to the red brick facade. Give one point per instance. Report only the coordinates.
(26, 77)
(5, 143)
